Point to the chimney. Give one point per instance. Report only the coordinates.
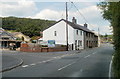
(74, 20)
(85, 25)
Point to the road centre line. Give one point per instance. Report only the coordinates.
(49, 60)
(44, 61)
(86, 56)
(25, 65)
(32, 64)
(65, 66)
(57, 57)
(94, 53)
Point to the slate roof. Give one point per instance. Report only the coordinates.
(77, 26)
(5, 34)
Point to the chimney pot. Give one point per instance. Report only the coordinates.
(74, 20)
(85, 25)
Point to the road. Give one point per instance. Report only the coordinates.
(93, 62)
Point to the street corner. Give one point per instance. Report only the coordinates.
(9, 62)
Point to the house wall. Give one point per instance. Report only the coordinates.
(75, 41)
(90, 39)
(60, 37)
(79, 39)
(21, 35)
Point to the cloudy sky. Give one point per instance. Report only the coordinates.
(56, 11)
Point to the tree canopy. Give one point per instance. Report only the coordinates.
(111, 12)
(29, 27)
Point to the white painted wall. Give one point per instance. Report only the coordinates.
(70, 35)
(79, 37)
(60, 29)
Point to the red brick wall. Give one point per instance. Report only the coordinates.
(24, 45)
(39, 49)
(26, 48)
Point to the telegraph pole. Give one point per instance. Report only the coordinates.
(98, 37)
(66, 26)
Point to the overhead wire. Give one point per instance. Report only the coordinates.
(80, 13)
(71, 6)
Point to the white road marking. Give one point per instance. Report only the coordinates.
(49, 60)
(66, 66)
(25, 65)
(39, 62)
(44, 61)
(54, 57)
(32, 64)
(110, 67)
(57, 57)
(94, 53)
(86, 56)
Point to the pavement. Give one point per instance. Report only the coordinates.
(93, 62)
(9, 62)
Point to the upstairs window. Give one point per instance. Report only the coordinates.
(77, 32)
(55, 33)
(86, 34)
(81, 32)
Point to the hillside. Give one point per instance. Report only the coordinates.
(29, 27)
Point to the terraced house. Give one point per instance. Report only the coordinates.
(79, 37)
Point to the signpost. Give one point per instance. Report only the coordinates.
(51, 43)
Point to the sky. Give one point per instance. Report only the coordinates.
(88, 12)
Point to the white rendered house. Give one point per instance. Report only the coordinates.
(76, 34)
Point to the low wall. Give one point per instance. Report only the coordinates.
(43, 49)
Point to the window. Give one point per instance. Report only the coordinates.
(5, 38)
(77, 32)
(80, 43)
(81, 32)
(90, 35)
(87, 44)
(86, 34)
(55, 33)
(75, 44)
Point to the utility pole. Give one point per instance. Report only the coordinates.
(98, 37)
(66, 26)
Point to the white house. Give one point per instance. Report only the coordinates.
(76, 34)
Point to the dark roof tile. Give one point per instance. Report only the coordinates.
(76, 26)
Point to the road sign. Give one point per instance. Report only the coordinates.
(51, 43)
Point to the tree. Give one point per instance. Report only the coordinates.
(29, 27)
(22, 38)
(111, 12)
